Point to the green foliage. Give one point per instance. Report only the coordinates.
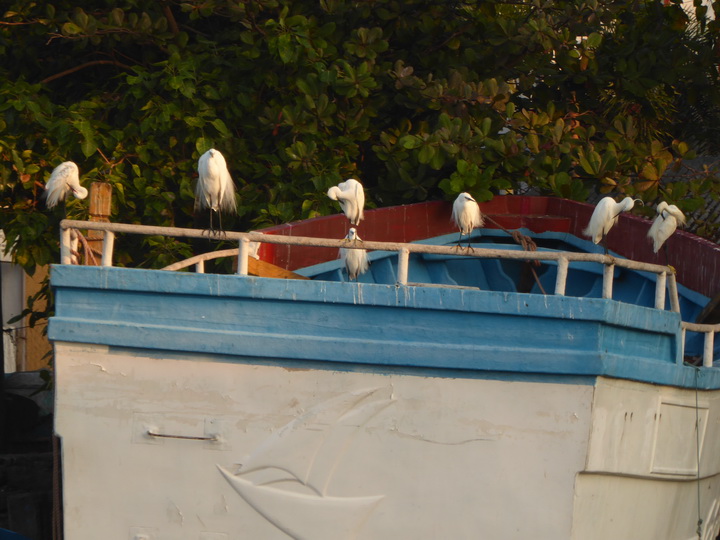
(418, 99)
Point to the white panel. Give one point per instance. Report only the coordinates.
(317, 454)
(644, 429)
(626, 508)
(676, 439)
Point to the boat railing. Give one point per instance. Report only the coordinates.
(708, 345)
(665, 274)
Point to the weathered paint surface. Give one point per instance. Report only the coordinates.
(445, 458)
(641, 480)
(437, 458)
(191, 406)
(369, 324)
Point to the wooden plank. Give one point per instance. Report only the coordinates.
(711, 313)
(100, 204)
(265, 269)
(255, 267)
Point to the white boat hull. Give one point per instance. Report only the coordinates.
(534, 457)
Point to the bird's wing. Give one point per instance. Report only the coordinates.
(665, 230)
(360, 201)
(653, 232)
(676, 213)
(604, 215)
(73, 176)
(601, 220)
(478, 220)
(457, 209)
(228, 202)
(345, 197)
(356, 261)
(202, 197)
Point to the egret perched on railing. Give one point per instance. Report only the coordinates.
(351, 196)
(466, 215)
(665, 224)
(604, 216)
(64, 179)
(215, 189)
(356, 260)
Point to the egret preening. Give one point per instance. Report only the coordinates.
(466, 215)
(356, 260)
(605, 216)
(215, 189)
(666, 221)
(351, 196)
(64, 179)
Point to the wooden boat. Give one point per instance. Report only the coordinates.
(442, 395)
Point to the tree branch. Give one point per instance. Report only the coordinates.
(83, 66)
(171, 19)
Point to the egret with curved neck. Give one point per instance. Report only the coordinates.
(351, 196)
(604, 216)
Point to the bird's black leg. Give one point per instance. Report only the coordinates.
(211, 229)
(220, 231)
(457, 246)
(604, 244)
(667, 260)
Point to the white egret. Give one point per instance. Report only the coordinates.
(605, 216)
(356, 260)
(466, 215)
(665, 224)
(64, 179)
(351, 196)
(215, 189)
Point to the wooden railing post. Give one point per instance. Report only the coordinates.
(403, 264)
(561, 278)
(108, 246)
(243, 253)
(673, 290)
(100, 205)
(607, 286)
(660, 285)
(65, 255)
(708, 349)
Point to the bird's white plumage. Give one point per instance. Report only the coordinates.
(351, 196)
(665, 224)
(215, 188)
(466, 213)
(605, 216)
(356, 260)
(64, 179)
